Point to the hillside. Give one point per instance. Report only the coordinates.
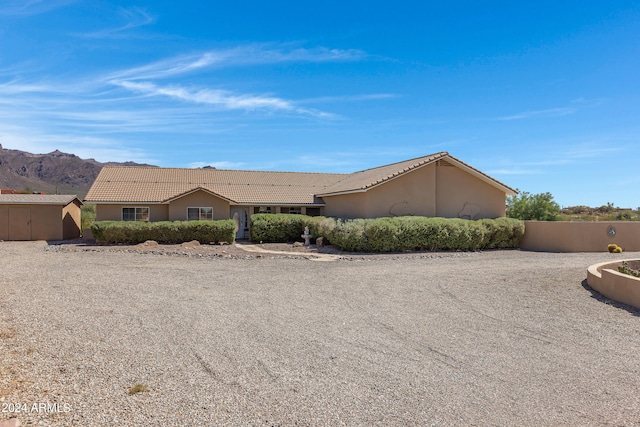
(51, 173)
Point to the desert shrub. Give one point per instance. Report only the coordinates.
(527, 206)
(502, 233)
(87, 215)
(392, 234)
(133, 232)
(626, 269)
(275, 228)
(349, 235)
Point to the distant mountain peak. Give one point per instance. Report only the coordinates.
(52, 173)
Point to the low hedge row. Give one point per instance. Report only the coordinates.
(392, 234)
(133, 232)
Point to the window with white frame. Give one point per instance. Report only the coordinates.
(135, 214)
(291, 210)
(262, 209)
(199, 214)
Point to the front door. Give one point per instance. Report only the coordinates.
(19, 223)
(241, 217)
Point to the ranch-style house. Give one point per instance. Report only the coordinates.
(438, 185)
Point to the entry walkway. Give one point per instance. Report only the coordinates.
(313, 256)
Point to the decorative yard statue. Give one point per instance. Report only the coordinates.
(306, 236)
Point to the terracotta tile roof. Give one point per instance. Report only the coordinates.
(369, 178)
(363, 180)
(130, 184)
(158, 185)
(37, 199)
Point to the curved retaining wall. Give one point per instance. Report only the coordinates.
(606, 279)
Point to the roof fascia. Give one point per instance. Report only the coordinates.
(482, 176)
(364, 190)
(179, 196)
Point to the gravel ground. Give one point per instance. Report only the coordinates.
(491, 338)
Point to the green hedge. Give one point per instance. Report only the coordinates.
(133, 232)
(392, 234)
(279, 228)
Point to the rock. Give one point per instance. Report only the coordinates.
(12, 422)
(298, 244)
(320, 242)
(150, 243)
(190, 244)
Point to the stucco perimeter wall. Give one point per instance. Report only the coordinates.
(114, 212)
(462, 195)
(198, 199)
(606, 279)
(579, 236)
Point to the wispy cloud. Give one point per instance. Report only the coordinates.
(218, 165)
(552, 112)
(350, 98)
(31, 7)
(253, 54)
(220, 98)
(134, 17)
(515, 171)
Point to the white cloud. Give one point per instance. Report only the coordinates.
(218, 165)
(220, 98)
(31, 7)
(552, 112)
(134, 17)
(253, 54)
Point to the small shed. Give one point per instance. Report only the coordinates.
(39, 217)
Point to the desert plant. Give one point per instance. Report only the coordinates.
(138, 388)
(87, 215)
(625, 269)
(132, 232)
(528, 206)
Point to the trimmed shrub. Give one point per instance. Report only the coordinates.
(392, 234)
(133, 232)
(502, 233)
(281, 228)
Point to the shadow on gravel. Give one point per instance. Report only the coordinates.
(598, 296)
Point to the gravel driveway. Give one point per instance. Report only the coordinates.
(492, 338)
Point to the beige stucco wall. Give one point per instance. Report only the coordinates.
(346, 206)
(71, 221)
(114, 212)
(47, 222)
(459, 193)
(198, 199)
(579, 236)
(433, 190)
(606, 279)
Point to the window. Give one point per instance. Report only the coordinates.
(135, 214)
(313, 211)
(262, 209)
(199, 214)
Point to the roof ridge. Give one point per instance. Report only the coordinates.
(222, 170)
(438, 155)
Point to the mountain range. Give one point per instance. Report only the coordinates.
(51, 173)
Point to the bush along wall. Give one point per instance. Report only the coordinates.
(392, 234)
(131, 232)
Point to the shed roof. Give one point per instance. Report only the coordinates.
(130, 184)
(38, 199)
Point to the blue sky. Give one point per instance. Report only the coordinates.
(544, 96)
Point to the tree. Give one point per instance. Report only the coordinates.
(540, 207)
